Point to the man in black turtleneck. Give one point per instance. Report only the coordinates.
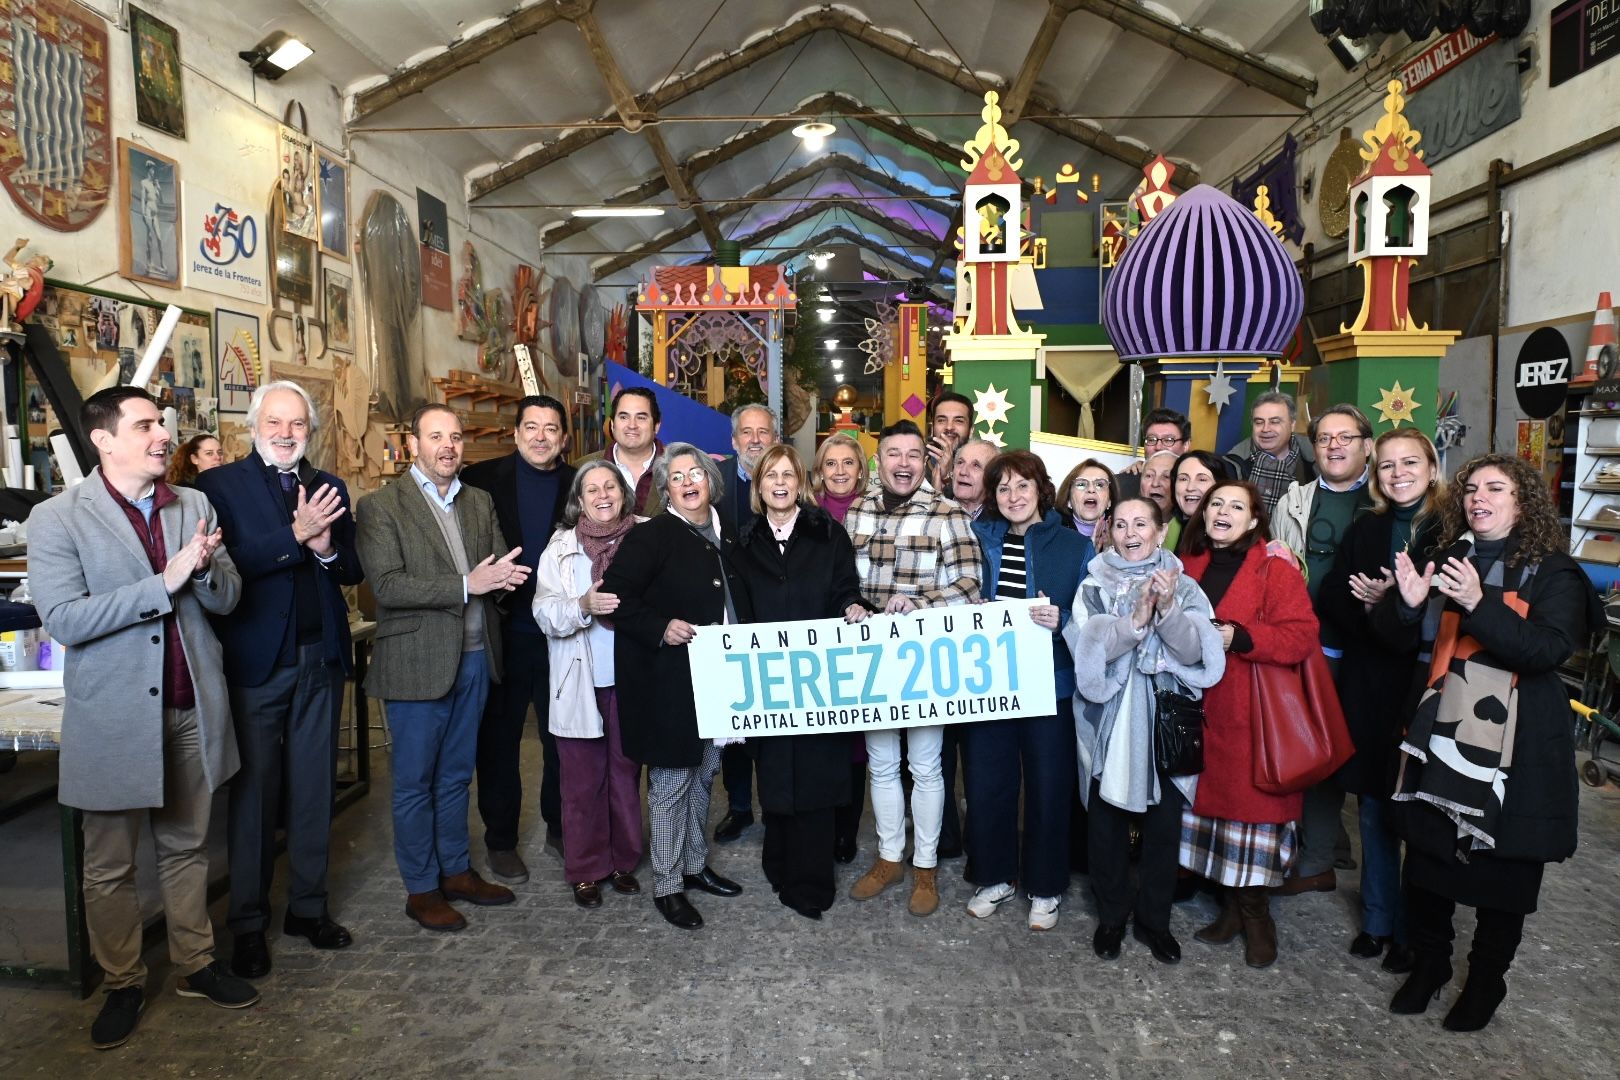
(530, 488)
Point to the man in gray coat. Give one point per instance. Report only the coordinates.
(125, 571)
(435, 555)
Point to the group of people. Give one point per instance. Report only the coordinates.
(525, 583)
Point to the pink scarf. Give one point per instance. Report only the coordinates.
(838, 505)
(600, 543)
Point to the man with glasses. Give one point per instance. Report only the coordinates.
(1165, 431)
(1313, 518)
(1272, 458)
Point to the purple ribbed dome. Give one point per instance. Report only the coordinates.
(1203, 278)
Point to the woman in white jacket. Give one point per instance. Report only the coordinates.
(601, 796)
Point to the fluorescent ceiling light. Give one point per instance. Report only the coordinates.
(618, 211)
(826, 313)
(814, 134)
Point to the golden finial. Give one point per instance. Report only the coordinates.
(1392, 131)
(1262, 210)
(991, 133)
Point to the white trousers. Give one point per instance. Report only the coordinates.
(889, 798)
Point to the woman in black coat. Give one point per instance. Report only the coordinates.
(798, 563)
(1380, 678)
(672, 575)
(1487, 791)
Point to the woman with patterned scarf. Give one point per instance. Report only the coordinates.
(1487, 792)
(601, 788)
(1139, 625)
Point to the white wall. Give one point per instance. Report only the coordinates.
(231, 125)
(1564, 246)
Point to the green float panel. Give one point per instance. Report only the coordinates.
(1364, 381)
(1015, 380)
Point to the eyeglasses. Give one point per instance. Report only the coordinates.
(1090, 485)
(1343, 438)
(1161, 440)
(696, 476)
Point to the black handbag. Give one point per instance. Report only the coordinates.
(1178, 733)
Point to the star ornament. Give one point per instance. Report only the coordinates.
(1220, 389)
(994, 439)
(1396, 405)
(990, 406)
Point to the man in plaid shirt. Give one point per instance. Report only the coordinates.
(913, 549)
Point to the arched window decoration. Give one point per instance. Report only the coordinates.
(1361, 222)
(992, 224)
(1399, 202)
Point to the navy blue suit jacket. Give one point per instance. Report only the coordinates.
(259, 536)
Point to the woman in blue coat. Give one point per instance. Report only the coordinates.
(1026, 552)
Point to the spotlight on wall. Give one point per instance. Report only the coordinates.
(276, 55)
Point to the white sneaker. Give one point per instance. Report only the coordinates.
(1043, 911)
(989, 897)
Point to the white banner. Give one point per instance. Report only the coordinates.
(947, 665)
(222, 249)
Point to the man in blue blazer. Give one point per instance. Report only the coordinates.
(288, 527)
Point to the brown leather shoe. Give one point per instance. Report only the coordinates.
(1326, 881)
(432, 913)
(924, 891)
(468, 886)
(1259, 932)
(623, 882)
(1227, 925)
(883, 874)
(587, 894)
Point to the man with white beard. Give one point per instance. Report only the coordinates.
(287, 650)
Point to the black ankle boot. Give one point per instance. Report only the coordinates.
(1428, 978)
(1477, 1003)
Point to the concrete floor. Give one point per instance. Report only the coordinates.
(544, 989)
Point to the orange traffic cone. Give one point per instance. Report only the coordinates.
(1600, 350)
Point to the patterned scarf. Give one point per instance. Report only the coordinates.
(600, 542)
(1459, 749)
(1273, 475)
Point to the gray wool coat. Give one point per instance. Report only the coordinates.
(419, 590)
(96, 593)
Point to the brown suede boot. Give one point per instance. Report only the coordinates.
(883, 874)
(431, 911)
(924, 891)
(1259, 932)
(468, 886)
(1227, 925)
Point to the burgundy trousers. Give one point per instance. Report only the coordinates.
(601, 800)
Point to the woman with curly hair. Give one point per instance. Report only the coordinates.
(1486, 791)
(197, 454)
(1382, 658)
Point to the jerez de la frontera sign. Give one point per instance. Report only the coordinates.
(946, 665)
(223, 246)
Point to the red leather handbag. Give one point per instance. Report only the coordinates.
(1300, 737)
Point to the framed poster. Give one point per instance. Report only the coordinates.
(337, 301)
(236, 356)
(160, 100)
(221, 244)
(295, 155)
(433, 226)
(295, 269)
(148, 216)
(334, 201)
(189, 351)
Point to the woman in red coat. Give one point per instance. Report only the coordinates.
(1234, 834)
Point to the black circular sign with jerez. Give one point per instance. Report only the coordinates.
(1541, 374)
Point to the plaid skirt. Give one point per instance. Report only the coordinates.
(1237, 854)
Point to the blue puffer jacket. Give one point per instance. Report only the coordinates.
(1055, 561)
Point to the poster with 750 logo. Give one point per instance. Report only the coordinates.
(223, 246)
